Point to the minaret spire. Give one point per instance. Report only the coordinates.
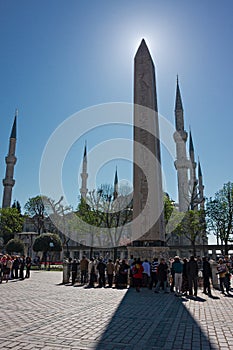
(178, 105)
(181, 163)
(201, 187)
(84, 174)
(193, 178)
(191, 148)
(115, 193)
(8, 181)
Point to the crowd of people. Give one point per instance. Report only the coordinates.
(14, 267)
(178, 276)
(175, 275)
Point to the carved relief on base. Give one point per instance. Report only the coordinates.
(149, 252)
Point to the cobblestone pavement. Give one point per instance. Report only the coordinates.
(39, 313)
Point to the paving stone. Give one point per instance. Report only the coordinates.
(38, 313)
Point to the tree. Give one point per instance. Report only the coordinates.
(15, 245)
(91, 217)
(107, 216)
(220, 215)
(168, 208)
(47, 242)
(11, 222)
(172, 217)
(36, 209)
(193, 227)
(60, 219)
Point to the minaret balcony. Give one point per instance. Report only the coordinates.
(182, 164)
(10, 159)
(180, 136)
(8, 182)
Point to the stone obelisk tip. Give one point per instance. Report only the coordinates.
(143, 49)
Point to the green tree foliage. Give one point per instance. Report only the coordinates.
(168, 208)
(102, 211)
(219, 212)
(11, 222)
(36, 209)
(47, 242)
(192, 226)
(15, 245)
(172, 217)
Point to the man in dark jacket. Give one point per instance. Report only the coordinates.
(74, 270)
(207, 274)
(192, 272)
(28, 263)
(162, 276)
(101, 267)
(21, 267)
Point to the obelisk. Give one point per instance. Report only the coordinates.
(147, 176)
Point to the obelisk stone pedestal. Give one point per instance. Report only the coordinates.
(149, 252)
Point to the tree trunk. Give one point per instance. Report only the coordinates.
(114, 254)
(217, 236)
(91, 252)
(226, 248)
(194, 248)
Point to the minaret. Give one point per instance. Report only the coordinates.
(84, 174)
(201, 187)
(193, 178)
(147, 177)
(181, 163)
(10, 159)
(115, 192)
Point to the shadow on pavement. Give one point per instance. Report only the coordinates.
(147, 321)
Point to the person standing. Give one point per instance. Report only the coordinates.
(154, 272)
(177, 267)
(101, 267)
(28, 263)
(69, 268)
(92, 273)
(123, 274)
(146, 273)
(229, 268)
(7, 264)
(84, 269)
(207, 274)
(162, 276)
(222, 271)
(110, 272)
(185, 283)
(192, 272)
(74, 271)
(137, 271)
(21, 267)
(15, 267)
(172, 275)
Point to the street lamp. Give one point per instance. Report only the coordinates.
(51, 245)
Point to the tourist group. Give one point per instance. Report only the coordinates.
(179, 276)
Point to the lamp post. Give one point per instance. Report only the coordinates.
(51, 245)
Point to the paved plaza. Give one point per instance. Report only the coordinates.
(40, 313)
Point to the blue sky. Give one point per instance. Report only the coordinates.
(59, 57)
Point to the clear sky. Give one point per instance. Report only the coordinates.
(59, 57)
